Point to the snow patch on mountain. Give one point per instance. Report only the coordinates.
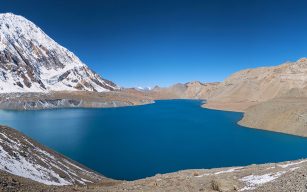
(143, 88)
(23, 157)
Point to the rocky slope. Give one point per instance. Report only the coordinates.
(264, 83)
(274, 177)
(286, 115)
(30, 61)
(67, 99)
(21, 156)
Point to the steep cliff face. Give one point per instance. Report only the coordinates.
(30, 61)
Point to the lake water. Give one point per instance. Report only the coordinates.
(135, 142)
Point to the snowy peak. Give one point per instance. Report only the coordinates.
(30, 61)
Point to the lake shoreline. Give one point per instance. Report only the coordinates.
(280, 115)
(232, 178)
(228, 106)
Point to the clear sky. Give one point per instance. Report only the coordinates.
(161, 42)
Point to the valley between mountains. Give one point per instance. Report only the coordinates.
(38, 73)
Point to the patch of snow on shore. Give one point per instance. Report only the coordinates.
(254, 181)
(220, 172)
(290, 164)
(228, 171)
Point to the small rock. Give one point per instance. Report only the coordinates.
(223, 185)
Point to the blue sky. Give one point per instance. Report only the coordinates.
(162, 42)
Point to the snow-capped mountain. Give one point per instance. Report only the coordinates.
(30, 61)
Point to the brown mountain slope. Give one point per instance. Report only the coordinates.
(286, 115)
(262, 84)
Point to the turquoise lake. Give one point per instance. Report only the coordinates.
(136, 142)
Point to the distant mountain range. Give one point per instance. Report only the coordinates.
(250, 85)
(30, 61)
(264, 83)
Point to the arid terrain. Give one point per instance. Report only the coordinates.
(286, 115)
(38, 73)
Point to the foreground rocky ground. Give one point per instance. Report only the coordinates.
(288, 176)
(279, 177)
